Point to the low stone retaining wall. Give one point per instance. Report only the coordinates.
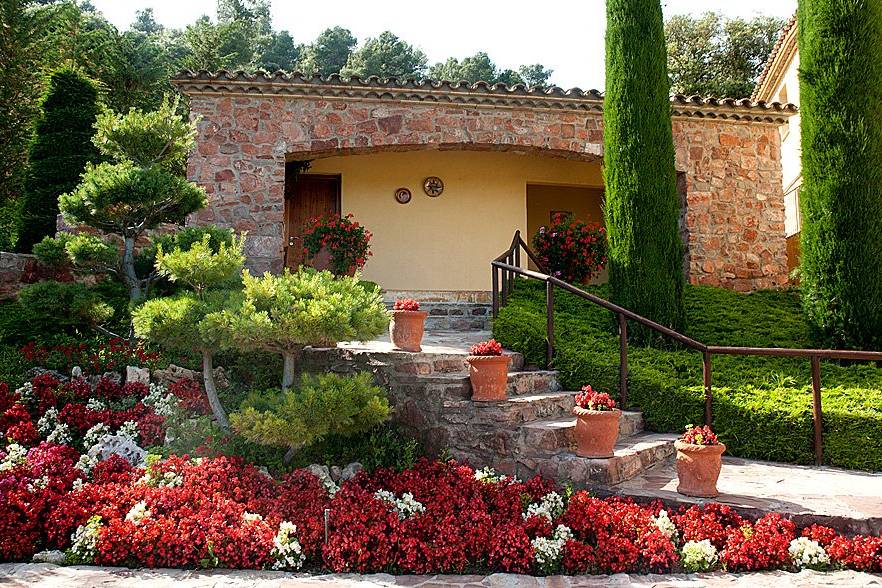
(17, 270)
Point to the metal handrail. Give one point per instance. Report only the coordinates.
(508, 265)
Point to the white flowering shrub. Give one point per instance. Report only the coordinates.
(38, 484)
(699, 556)
(666, 525)
(807, 553)
(95, 433)
(96, 404)
(251, 517)
(154, 478)
(162, 402)
(138, 512)
(549, 506)
(16, 455)
(287, 552)
(406, 506)
(60, 434)
(26, 393)
(46, 423)
(129, 429)
(548, 551)
(489, 476)
(84, 541)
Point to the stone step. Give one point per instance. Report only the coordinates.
(552, 434)
(513, 412)
(455, 385)
(454, 365)
(528, 382)
(633, 455)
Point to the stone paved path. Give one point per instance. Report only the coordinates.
(444, 342)
(848, 500)
(49, 576)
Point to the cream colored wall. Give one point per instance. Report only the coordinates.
(787, 90)
(444, 243)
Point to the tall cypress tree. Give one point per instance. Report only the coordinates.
(840, 54)
(642, 204)
(59, 151)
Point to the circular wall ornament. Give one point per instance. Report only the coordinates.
(402, 195)
(433, 186)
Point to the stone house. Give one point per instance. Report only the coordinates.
(780, 81)
(444, 173)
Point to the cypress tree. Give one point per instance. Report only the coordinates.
(59, 151)
(642, 205)
(840, 53)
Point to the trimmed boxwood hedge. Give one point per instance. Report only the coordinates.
(762, 405)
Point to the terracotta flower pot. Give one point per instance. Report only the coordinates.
(698, 468)
(489, 376)
(406, 329)
(596, 432)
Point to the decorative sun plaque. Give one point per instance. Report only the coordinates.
(402, 195)
(433, 186)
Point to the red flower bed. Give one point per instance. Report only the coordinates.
(591, 400)
(93, 358)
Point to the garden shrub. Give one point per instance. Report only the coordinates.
(570, 249)
(762, 405)
(384, 446)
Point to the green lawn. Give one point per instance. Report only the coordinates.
(762, 405)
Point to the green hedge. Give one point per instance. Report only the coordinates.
(762, 405)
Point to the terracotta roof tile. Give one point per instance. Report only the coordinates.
(773, 56)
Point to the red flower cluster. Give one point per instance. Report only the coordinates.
(570, 249)
(190, 395)
(406, 304)
(702, 435)
(112, 355)
(347, 242)
(484, 348)
(591, 400)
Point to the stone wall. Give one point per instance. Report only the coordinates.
(17, 270)
(735, 208)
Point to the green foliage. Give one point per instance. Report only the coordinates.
(384, 446)
(285, 312)
(158, 137)
(12, 365)
(713, 55)
(841, 117)
(762, 405)
(386, 56)
(642, 205)
(329, 52)
(60, 150)
(200, 266)
(327, 404)
(185, 322)
(51, 308)
(480, 67)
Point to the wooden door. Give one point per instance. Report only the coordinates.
(306, 197)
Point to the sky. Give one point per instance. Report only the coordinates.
(565, 35)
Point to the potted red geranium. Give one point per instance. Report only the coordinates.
(699, 461)
(407, 325)
(597, 423)
(340, 245)
(488, 371)
(570, 249)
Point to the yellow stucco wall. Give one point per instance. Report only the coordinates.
(444, 243)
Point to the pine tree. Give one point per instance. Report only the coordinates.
(59, 152)
(642, 204)
(841, 195)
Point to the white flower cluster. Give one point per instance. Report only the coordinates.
(84, 541)
(251, 517)
(38, 484)
(698, 556)
(138, 512)
(488, 475)
(96, 404)
(549, 506)
(162, 402)
(287, 552)
(47, 422)
(16, 455)
(129, 429)
(152, 477)
(26, 393)
(60, 434)
(406, 506)
(666, 525)
(94, 434)
(548, 551)
(86, 463)
(807, 553)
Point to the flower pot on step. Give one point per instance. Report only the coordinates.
(698, 468)
(596, 432)
(406, 329)
(489, 376)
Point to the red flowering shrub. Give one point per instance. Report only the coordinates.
(347, 242)
(485, 348)
(823, 535)
(859, 553)
(406, 304)
(702, 435)
(571, 250)
(190, 395)
(93, 358)
(591, 400)
(713, 522)
(760, 547)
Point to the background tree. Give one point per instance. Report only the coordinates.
(329, 52)
(535, 75)
(145, 22)
(642, 205)
(280, 53)
(143, 187)
(60, 150)
(713, 55)
(478, 67)
(841, 196)
(386, 56)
